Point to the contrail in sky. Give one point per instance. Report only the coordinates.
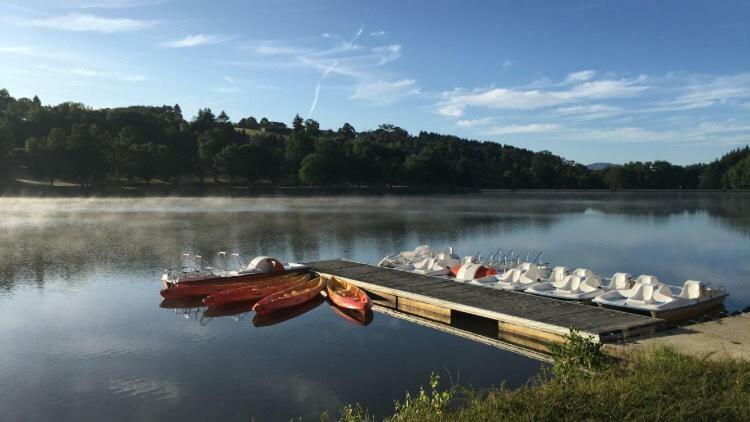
(317, 89)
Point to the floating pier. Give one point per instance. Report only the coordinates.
(517, 316)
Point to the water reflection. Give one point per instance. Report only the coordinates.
(97, 345)
(282, 315)
(65, 244)
(229, 310)
(194, 309)
(361, 318)
(182, 303)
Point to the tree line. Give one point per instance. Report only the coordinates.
(72, 142)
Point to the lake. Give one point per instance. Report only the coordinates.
(84, 336)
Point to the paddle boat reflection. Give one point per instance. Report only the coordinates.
(229, 310)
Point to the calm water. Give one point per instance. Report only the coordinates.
(82, 335)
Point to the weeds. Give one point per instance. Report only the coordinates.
(658, 384)
(578, 356)
(434, 404)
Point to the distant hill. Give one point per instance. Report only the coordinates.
(599, 166)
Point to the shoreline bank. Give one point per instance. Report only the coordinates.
(210, 190)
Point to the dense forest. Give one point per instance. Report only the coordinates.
(140, 144)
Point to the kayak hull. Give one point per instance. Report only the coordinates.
(205, 288)
(347, 296)
(254, 291)
(291, 296)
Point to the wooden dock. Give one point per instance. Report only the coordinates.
(516, 314)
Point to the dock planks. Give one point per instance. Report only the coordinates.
(516, 312)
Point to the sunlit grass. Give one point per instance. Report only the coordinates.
(658, 384)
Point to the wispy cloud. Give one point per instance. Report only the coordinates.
(726, 132)
(589, 106)
(507, 64)
(475, 122)
(701, 92)
(21, 49)
(384, 92)
(587, 112)
(581, 76)
(197, 40)
(377, 33)
(239, 85)
(92, 73)
(80, 22)
(530, 128)
(353, 60)
(274, 48)
(341, 57)
(25, 50)
(228, 90)
(455, 102)
(109, 4)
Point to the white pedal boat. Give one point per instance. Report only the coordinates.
(440, 265)
(647, 295)
(418, 255)
(404, 258)
(518, 279)
(580, 285)
(194, 268)
(471, 272)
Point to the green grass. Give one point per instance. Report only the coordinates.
(658, 384)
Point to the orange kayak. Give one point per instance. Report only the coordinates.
(347, 296)
(295, 295)
(205, 288)
(254, 291)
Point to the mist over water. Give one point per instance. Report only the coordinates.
(84, 338)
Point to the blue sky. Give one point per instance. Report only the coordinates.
(589, 80)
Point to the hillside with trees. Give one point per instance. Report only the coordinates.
(142, 144)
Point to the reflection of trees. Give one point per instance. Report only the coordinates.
(72, 246)
(69, 246)
(730, 209)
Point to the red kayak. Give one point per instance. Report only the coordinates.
(204, 288)
(254, 291)
(291, 296)
(348, 296)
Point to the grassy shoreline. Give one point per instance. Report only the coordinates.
(657, 384)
